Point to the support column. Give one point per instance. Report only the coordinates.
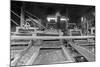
(22, 16)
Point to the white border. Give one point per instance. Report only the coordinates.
(5, 33)
(82, 2)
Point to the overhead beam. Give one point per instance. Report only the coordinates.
(14, 22)
(38, 22)
(31, 14)
(15, 14)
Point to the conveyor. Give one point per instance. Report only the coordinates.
(89, 55)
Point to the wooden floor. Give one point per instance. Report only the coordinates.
(50, 56)
(59, 54)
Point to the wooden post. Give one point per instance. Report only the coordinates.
(22, 15)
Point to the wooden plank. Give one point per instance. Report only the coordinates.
(44, 46)
(88, 44)
(49, 37)
(18, 56)
(13, 43)
(34, 56)
(67, 54)
(85, 52)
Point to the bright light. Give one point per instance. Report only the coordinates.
(55, 18)
(82, 18)
(51, 18)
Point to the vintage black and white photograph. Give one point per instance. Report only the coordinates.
(43, 33)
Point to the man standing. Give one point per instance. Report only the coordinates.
(58, 23)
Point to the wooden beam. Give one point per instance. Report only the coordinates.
(14, 22)
(18, 43)
(87, 44)
(15, 14)
(22, 16)
(34, 56)
(49, 37)
(67, 54)
(19, 56)
(37, 21)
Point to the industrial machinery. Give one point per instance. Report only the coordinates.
(30, 45)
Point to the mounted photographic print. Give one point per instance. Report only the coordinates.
(45, 33)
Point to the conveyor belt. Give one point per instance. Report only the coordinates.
(83, 51)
